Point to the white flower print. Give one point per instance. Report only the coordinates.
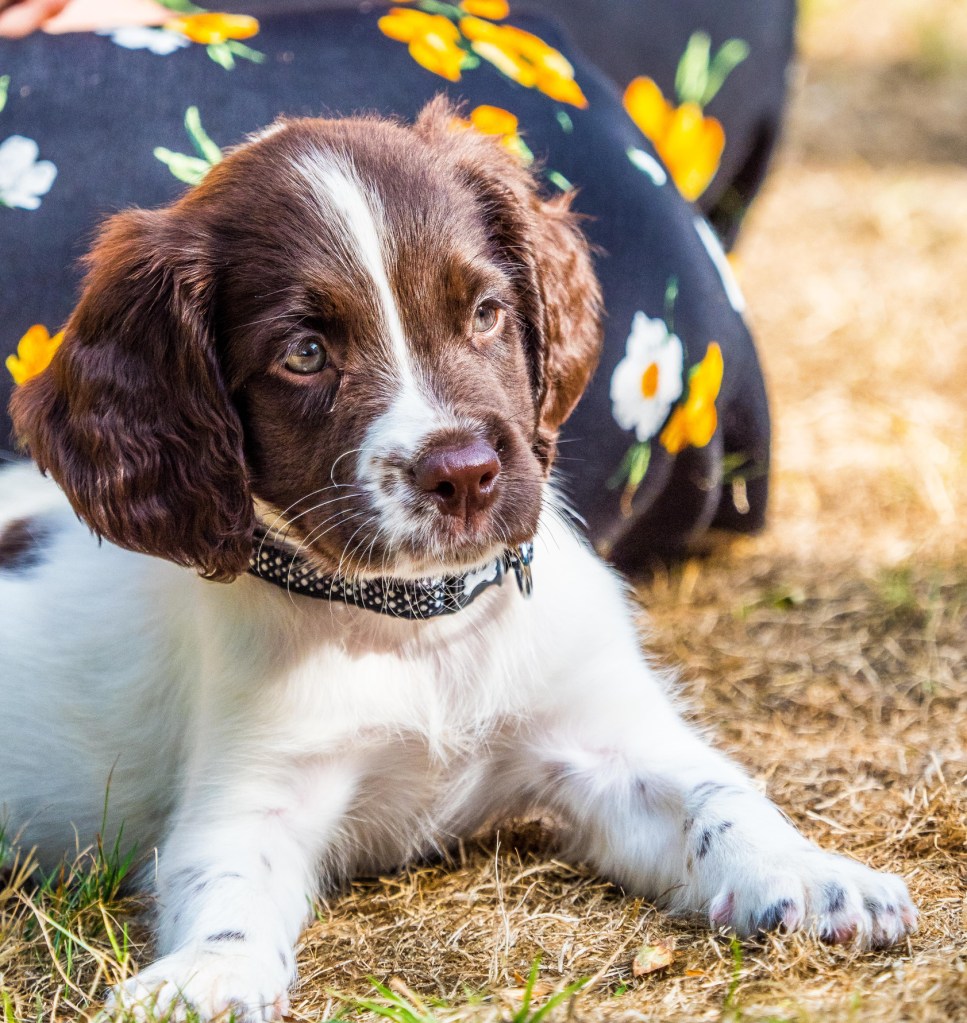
(647, 164)
(648, 380)
(23, 178)
(138, 37)
(717, 254)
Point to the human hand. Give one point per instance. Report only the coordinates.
(57, 16)
(19, 18)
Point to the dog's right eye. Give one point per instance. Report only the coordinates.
(306, 357)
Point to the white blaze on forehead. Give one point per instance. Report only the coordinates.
(355, 216)
(356, 212)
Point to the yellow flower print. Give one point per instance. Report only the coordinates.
(524, 58)
(495, 10)
(210, 28)
(689, 143)
(500, 123)
(432, 38)
(494, 121)
(34, 352)
(694, 421)
(464, 34)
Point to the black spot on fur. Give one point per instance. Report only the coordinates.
(227, 936)
(708, 836)
(772, 918)
(201, 885)
(707, 790)
(266, 863)
(284, 958)
(181, 879)
(703, 792)
(22, 545)
(835, 896)
(187, 876)
(872, 905)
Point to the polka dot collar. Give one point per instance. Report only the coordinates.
(414, 599)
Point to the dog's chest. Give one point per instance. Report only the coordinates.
(337, 674)
(431, 707)
(394, 746)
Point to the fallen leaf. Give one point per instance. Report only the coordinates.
(651, 958)
(537, 987)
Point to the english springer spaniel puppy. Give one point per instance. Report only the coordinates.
(330, 380)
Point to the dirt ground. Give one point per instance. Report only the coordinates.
(830, 654)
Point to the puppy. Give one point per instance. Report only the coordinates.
(332, 376)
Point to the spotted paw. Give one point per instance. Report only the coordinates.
(839, 900)
(201, 984)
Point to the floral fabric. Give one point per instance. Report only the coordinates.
(24, 178)
(131, 116)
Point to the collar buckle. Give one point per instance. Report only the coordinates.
(520, 560)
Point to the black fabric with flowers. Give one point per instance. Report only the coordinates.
(673, 434)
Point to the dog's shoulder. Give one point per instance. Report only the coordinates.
(46, 550)
(33, 514)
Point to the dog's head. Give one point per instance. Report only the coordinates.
(371, 331)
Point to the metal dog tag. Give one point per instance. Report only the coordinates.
(521, 563)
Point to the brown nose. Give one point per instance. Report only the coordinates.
(462, 479)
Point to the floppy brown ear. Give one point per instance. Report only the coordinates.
(131, 417)
(559, 294)
(571, 298)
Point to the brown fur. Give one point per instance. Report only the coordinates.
(131, 418)
(559, 294)
(168, 406)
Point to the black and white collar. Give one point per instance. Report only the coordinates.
(415, 599)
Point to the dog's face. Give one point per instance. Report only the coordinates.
(365, 334)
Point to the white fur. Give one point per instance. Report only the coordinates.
(393, 441)
(271, 745)
(345, 203)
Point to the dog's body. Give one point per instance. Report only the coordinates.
(271, 744)
(257, 737)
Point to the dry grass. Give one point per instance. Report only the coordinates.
(829, 655)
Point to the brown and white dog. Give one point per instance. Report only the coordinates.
(355, 341)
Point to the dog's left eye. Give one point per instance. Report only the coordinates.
(486, 317)
(306, 357)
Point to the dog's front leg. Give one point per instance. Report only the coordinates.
(235, 882)
(651, 805)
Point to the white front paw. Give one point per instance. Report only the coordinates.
(838, 899)
(235, 983)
